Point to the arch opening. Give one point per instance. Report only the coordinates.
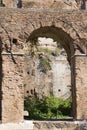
(57, 34)
(52, 47)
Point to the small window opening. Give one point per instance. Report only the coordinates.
(19, 4)
(27, 91)
(28, 72)
(14, 41)
(59, 90)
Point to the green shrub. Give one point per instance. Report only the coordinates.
(49, 51)
(47, 108)
(46, 50)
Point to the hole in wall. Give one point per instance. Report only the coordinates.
(19, 4)
(27, 91)
(28, 72)
(14, 41)
(59, 90)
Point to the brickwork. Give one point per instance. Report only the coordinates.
(13, 90)
(81, 86)
(64, 4)
(59, 125)
(17, 27)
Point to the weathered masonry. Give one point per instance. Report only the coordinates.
(20, 26)
(56, 4)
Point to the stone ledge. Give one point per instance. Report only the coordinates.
(26, 125)
(60, 125)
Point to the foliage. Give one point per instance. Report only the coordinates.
(49, 51)
(47, 108)
(46, 50)
(44, 64)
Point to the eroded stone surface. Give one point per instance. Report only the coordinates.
(59, 125)
(64, 4)
(13, 95)
(81, 86)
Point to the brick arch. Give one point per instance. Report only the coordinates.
(78, 42)
(26, 23)
(59, 35)
(73, 45)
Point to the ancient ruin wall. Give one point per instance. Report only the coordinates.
(58, 125)
(12, 88)
(15, 28)
(52, 4)
(81, 85)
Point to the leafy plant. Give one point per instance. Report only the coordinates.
(47, 108)
(49, 51)
(31, 47)
(46, 50)
(44, 65)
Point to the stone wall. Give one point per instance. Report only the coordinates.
(26, 125)
(61, 78)
(52, 77)
(52, 4)
(81, 86)
(60, 125)
(55, 82)
(45, 125)
(8, 3)
(16, 27)
(12, 88)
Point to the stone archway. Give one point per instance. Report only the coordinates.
(57, 34)
(71, 49)
(26, 23)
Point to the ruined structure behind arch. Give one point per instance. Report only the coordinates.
(48, 80)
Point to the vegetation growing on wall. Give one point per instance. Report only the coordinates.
(44, 65)
(49, 51)
(47, 108)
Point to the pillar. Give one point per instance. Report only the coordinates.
(12, 87)
(80, 87)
